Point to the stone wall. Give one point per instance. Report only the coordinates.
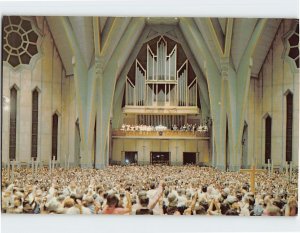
(176, 147)
(56, 95)
(267, 95)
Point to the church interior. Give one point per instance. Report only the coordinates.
(78, 88)
(98, 92)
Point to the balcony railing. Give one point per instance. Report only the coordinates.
(165, 133)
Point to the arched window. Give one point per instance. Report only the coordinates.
(268, 138)
(289, 127)
(13, 123)
(293, 41)
(54, 135)
(34, 123)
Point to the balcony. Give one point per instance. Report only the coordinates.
(167, 134)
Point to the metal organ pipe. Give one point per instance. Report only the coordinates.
(126, 93)
(193, 95)
(173, 55)
(167, 67)
(148, 63)
(161, 67)
(184, 89)
(137, 83)
(164, 61)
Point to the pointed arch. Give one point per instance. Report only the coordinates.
(13, 122)
(289, 126)
(15, 86)
(35, 122)
(266, 115)
(268, 137)
(54, 153)
(36, 88)
(287, 92)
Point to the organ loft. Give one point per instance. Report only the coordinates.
(161, 111)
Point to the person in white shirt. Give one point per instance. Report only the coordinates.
(152, 193)
(182, 201)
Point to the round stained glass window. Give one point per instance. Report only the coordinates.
(19, 40)
(293, 41)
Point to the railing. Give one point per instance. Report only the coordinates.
(166, 133)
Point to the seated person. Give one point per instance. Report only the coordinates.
(175, 127)
(112, 205)
(144, 210)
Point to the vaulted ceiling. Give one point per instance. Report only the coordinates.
(213, 31)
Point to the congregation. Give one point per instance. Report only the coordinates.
(148, 190)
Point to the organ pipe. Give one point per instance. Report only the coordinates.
(161, 74)
(166, 120)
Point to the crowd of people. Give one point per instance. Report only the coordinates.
(148, 190)
(148, 128)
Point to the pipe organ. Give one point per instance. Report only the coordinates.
(160, 83)
(166, 120)
(161, 109)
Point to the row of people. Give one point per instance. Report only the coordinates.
(148, 128)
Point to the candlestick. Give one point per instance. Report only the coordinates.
(50, 165)
(13, 168)
(32, 165)
(68, 161)
(8, 170)
(272, 167)
(53, 160)
(65, 161)
(36, 165)
(291, 169)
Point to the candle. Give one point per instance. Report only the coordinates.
(68, 161)
(36, 165)
(291, 169)
(65, 161)
(13, 168)
(50, 165)
(32, 165)
(272, 166)
(8, 169)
